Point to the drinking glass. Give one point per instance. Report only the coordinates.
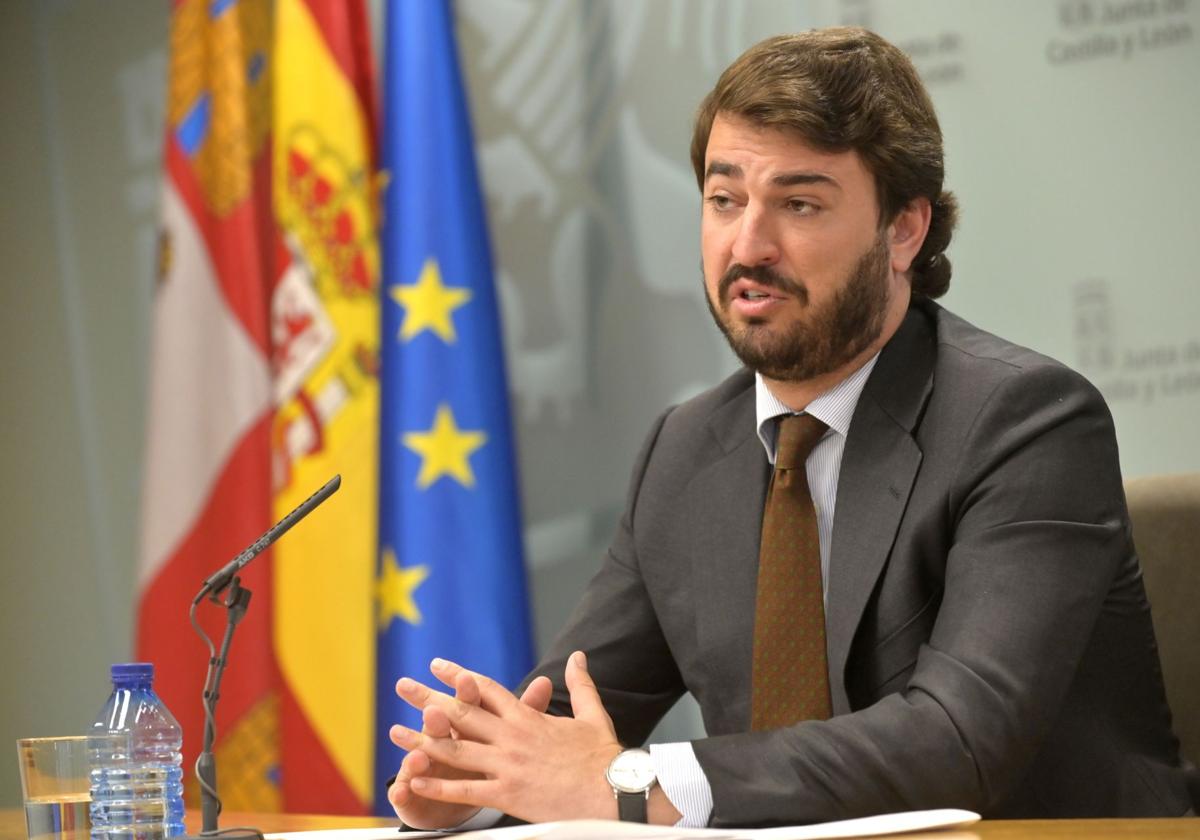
(54, 785)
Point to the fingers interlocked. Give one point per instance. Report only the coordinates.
(482, 746)
(456, 727)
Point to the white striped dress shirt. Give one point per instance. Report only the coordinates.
(678, 771)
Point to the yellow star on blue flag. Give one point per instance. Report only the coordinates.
(428, 304)
(395, 591)
(445, 450)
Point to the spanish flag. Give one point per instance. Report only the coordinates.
(265, 383)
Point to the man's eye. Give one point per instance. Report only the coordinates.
(801, 207)
(720, 202)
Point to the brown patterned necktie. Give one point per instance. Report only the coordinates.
(790, 680)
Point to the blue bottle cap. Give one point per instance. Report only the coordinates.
(137, 672)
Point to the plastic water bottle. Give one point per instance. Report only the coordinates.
(137, 774)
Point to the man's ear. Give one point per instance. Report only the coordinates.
(906, 233)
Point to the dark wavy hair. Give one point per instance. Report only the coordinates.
(843, 89)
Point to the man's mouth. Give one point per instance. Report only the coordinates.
(749, 290)
(754, 300)
(759, 286)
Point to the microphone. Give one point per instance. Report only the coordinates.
(236, 603)
(219, 581)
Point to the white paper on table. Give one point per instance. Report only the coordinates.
(594, 830)
(884, 824)
(380, 833)
(901, 823)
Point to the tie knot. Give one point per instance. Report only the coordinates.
(798, 434)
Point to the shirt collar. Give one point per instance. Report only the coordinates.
(835, 407)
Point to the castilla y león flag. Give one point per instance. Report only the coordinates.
(264, 383)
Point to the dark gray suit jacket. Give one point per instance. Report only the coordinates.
(989, 638)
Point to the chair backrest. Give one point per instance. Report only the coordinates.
(1165, 511)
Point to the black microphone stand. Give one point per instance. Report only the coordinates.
(236, 602)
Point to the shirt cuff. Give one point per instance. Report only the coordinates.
(683, 781)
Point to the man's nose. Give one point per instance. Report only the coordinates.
(756, 243)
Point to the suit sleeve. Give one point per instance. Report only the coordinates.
(1038, 518)
(615, 625)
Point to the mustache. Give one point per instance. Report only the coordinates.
(764, 275)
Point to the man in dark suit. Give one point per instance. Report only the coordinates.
(945, 611)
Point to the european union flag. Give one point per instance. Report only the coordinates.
(451, 575)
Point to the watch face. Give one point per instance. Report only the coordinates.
(632, 771)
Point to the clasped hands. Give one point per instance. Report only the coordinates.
(484, 747)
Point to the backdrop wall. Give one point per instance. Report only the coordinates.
(1070, 132)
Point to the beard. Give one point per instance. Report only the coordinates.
(827, 339)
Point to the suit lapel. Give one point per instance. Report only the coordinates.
(879, 466)
(726, 500)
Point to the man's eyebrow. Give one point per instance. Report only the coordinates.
(784, 179)
(792, 179)
(717, 167)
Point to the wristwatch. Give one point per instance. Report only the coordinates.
(631, 774)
